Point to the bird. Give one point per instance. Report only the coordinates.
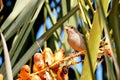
(75, 38)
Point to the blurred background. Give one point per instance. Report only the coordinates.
(39, 17)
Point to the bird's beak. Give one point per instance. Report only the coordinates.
(67, 28)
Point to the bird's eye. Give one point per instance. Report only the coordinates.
(72, 27)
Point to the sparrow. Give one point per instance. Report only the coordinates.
(75, 38)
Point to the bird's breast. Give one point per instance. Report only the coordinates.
(76, 42)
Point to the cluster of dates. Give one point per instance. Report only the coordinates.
(46, 67)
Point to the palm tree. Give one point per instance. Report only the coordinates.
(98, 20)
